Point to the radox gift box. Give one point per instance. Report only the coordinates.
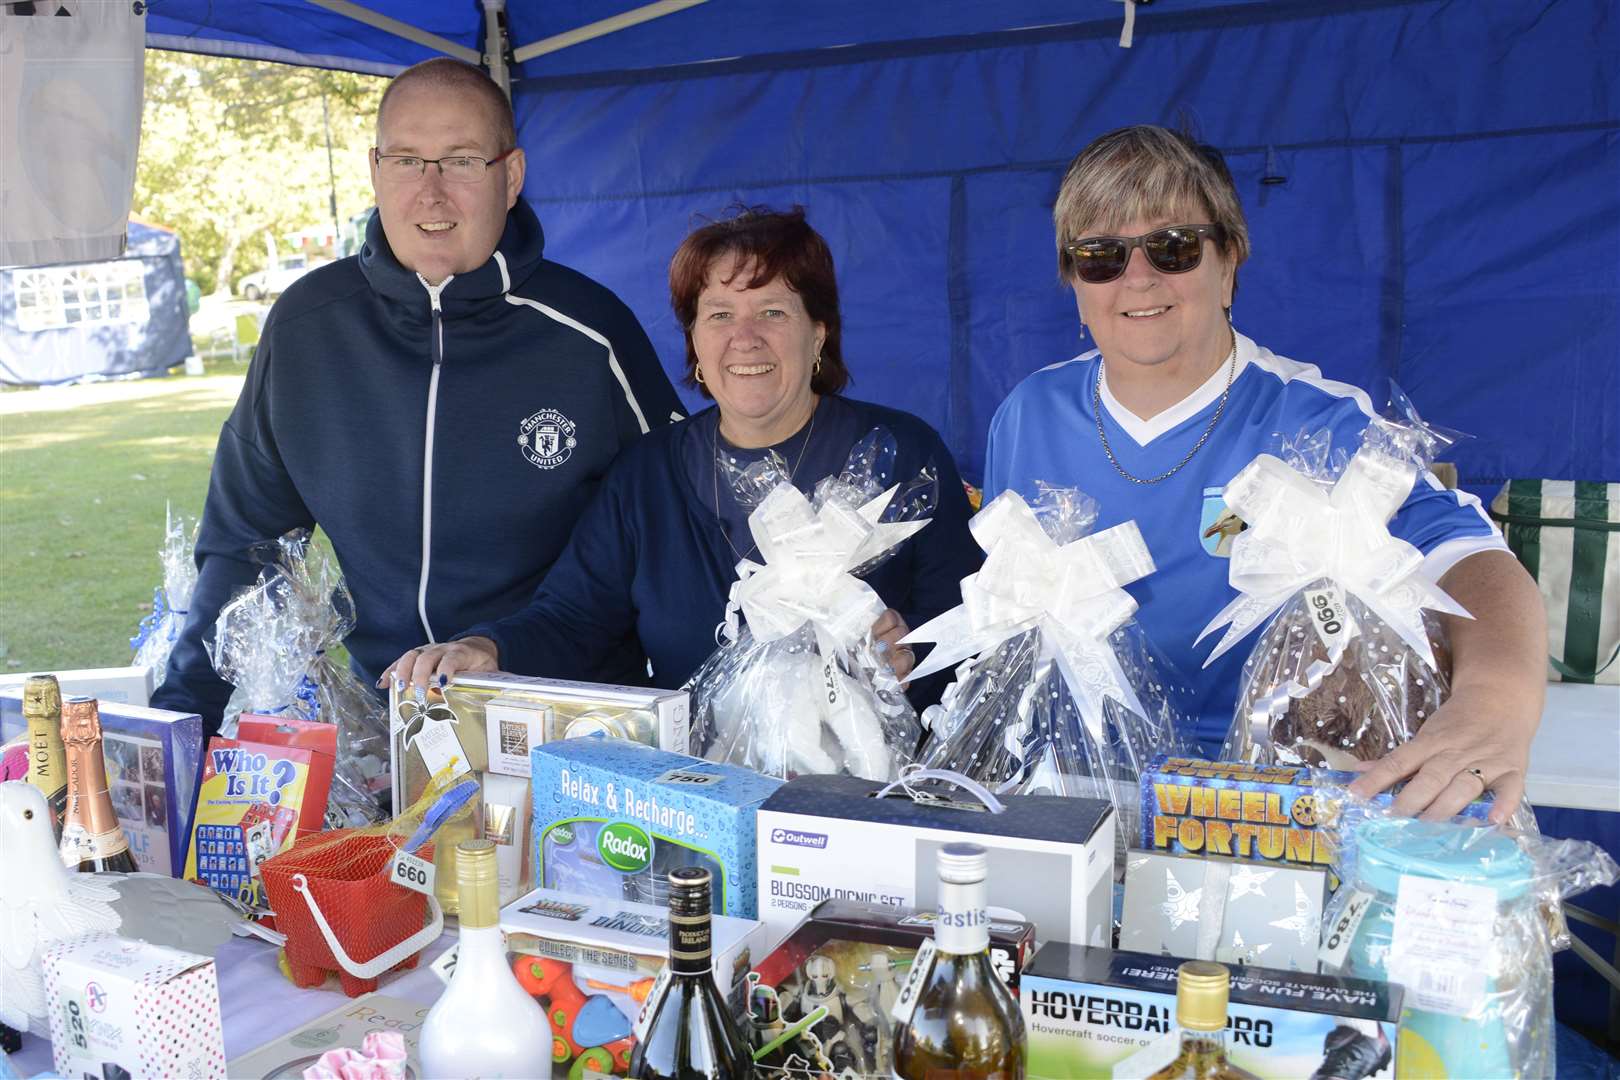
(153, 758)
(1092, 1012)
(613, 817)
(1269, 813)
(832, 837)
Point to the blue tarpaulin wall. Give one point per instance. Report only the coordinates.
(1433, 191)
(105, 334)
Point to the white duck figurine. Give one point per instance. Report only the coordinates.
(42, 902)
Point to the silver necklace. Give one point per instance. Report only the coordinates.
(741, 555)
(1096, 412)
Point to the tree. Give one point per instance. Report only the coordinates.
(234, 149)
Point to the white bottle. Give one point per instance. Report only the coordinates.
(484, 1024)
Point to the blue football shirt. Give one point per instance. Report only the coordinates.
(1046, 431)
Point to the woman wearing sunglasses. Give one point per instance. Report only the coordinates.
(1174, 401)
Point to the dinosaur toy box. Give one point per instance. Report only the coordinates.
(592, 962)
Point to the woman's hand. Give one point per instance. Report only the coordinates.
(1469, 746)
(431, 666)
(888, 630)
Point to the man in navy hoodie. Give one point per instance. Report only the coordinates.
(443, 405)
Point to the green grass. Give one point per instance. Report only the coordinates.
(82, 497)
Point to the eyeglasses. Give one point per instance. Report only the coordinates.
(407, 168)
(1174, 250)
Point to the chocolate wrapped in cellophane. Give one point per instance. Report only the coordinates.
(797, 685)
(155, 637)
(1059, 690)
(273, 642)
(1352, 658)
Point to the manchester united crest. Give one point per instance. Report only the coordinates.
(547, 439)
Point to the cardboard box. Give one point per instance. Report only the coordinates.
(153, 760)
(123, 685)
(1267, 813)
(144, 1009)
(1229, 910)
(612, 818)
(828, 837)
(853, 958)
(595, 960)
(345, 1026)
(1088, 1012)
(255, 801)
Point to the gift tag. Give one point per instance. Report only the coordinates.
(654, 998)
(1443, 932)
(413, 873)
(445, 966)
(1330, 616)
(1336, 942)
(441, 747)
(921, 964)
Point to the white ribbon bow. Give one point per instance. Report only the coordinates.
(1299, 533)
(806, 577)
(1074, 592)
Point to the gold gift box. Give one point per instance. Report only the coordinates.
(526, 710)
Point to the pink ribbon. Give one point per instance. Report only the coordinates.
(381, 1057)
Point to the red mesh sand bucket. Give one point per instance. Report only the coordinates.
(341, 913)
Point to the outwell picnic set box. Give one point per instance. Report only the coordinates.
(834, 837)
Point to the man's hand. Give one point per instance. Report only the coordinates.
(888, 630)
(431, 666)
(1479, 740)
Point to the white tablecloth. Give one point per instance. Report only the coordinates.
(259, 1004)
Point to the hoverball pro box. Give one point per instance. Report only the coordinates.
(613, 818)
(1103, 1013)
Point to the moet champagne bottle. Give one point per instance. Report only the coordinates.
(686, 1030)
(1201, 992)
(955, 1020)
(47, 761)
(484, 1024)
(92, 838)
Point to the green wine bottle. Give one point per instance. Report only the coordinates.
(686, 1030)
(955, 1020)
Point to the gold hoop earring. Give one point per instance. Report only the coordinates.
(815, 368)
(697, 373)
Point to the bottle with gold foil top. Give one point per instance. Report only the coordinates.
(484, 1024)
(92, 838)
(47, 765)
(1201, 993)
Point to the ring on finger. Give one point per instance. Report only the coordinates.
(1478, 774)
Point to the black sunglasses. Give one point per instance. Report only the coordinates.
(1173, 250)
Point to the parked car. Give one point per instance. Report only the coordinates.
(273, 282)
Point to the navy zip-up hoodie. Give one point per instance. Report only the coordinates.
(446, 440)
